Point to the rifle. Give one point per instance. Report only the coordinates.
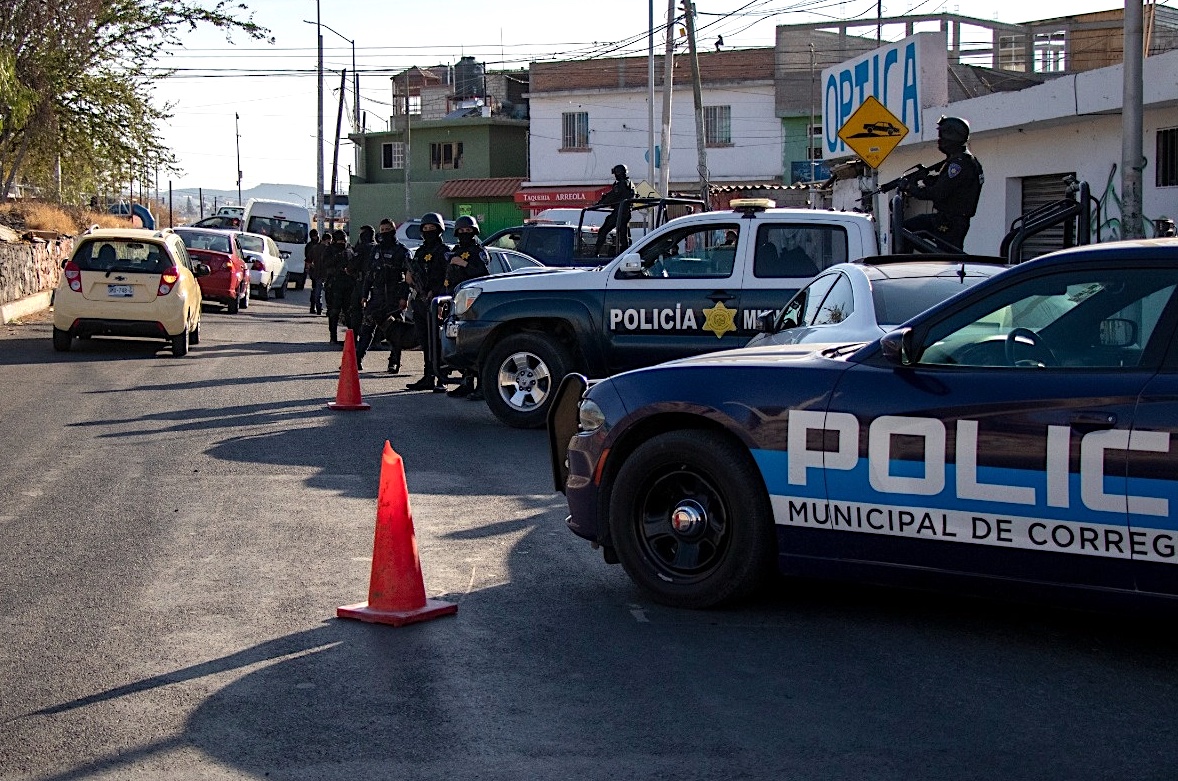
(905, 180)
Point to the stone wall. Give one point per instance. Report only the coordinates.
(27, 268)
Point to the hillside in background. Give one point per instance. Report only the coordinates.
(294, 193)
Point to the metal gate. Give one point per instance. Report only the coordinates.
(1040, 191)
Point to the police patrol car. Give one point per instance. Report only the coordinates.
(698, 283)
(1018, 433)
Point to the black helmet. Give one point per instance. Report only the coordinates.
(619, 170)
(433, 218)
(953, 129)
(466, 221)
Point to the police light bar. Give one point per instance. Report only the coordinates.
(749, 205)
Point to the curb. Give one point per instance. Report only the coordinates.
(22, 307)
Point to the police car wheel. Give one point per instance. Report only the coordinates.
(520, 376)
(690, 519)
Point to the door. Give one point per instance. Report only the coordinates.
(786, 256)
(1002, 451)
(685, 300)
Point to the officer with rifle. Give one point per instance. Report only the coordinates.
(953, 185)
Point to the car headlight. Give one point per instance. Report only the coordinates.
(589, 416)
(464, 299)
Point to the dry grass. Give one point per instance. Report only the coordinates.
(33, 215)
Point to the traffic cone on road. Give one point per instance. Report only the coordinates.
(347, 393)
(396, 591)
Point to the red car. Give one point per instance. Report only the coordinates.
(229, 284)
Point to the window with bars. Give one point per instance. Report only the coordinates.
(392, 155)
(445, 156)
(718, 125)
(574, 134)
(1167, 158)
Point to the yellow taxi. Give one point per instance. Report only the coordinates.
(129, 282)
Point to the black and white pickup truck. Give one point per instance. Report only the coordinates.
(697, 284)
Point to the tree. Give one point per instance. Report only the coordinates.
(76, 81)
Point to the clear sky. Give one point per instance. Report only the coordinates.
(273, 86)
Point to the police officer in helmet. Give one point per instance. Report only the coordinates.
(621, 191)
(468, 260)
(427, 277)
(384, 294)
(955, 189)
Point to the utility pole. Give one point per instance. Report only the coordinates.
(407, 147)
(237, 131)
(650, 98)
(319, 145)
(339, 120)
(668, 86)
(697, 95)
(1132, 155)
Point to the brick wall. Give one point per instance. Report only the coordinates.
(631, 72)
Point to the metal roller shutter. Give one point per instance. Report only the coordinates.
(1040, 191)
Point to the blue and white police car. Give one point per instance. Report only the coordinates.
(1017, 435)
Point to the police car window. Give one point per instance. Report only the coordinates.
(694, 252)
(1091, 319)
(797, 250)
(838, 304)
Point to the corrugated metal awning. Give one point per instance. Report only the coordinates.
(502, 187)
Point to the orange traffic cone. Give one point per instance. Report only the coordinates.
(396, 591)
(347, 393)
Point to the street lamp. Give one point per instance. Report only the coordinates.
(300, 197)
(355, 75)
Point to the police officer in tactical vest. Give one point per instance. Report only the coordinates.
(383, 293)
(617, 196)
(468, 260)
(337, 284)
(427, 277)
(954, 190)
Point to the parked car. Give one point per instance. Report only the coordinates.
(861, 301)
(129, 282)
(409, 233)
(220, 221)
(1015, 439)
(229, 280)
(288, 224)
(268, 269)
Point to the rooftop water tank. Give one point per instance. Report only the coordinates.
(468, 78)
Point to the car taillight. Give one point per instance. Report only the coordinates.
(168, 280)
(73, 275)
(258, 266)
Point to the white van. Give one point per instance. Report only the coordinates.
(286, 223)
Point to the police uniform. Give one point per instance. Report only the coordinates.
(383, 293)
(621, 191)
(428, 270)
(955, 189)
(338, 284)
(468, 260)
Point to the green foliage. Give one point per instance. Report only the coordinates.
(76, 82)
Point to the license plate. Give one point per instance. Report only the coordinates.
(120, 291)
(452, 330)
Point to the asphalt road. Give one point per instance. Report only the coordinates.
(175, 535)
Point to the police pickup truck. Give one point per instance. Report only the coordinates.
(697, 284)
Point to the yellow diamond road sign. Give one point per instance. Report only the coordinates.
(872, 132)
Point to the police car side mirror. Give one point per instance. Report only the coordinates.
(630, 265)
(896, 347)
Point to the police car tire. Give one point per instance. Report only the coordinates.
(548, 356)
(714, 474)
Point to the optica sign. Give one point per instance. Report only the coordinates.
(906, 77)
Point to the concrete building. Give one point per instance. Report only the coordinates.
(588, 116)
